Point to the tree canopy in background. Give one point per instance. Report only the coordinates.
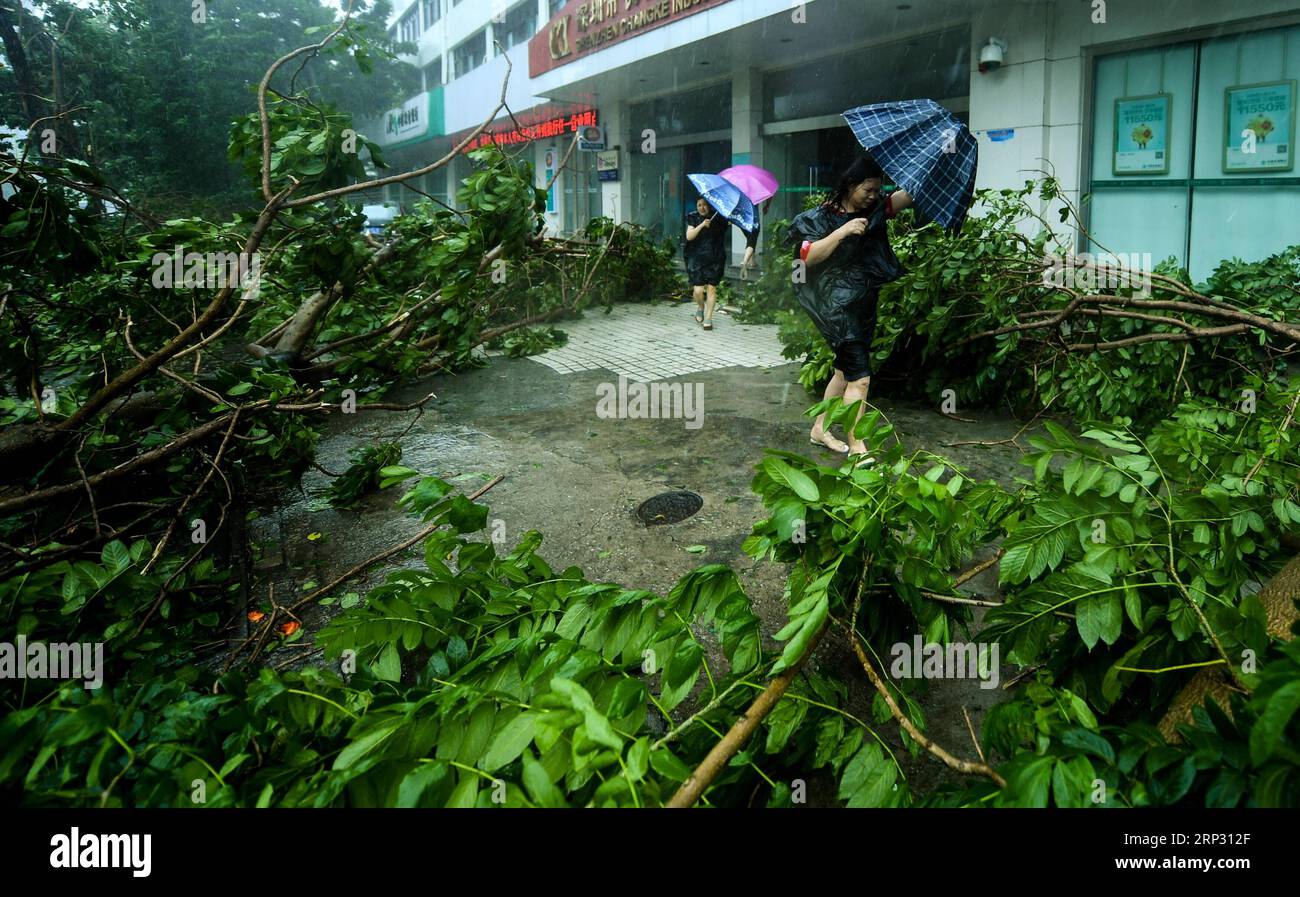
(152, 93)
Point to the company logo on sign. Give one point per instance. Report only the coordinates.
(406, 121)
(402, 121)
(560, 38)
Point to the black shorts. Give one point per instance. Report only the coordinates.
(706, 272)
(853, 359)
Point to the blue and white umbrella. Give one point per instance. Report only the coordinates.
(924, 150)
(727, 199)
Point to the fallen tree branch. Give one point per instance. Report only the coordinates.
(722, 752)
(967, 767)
(383, 555)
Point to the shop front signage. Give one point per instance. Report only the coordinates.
(418, 118)
(527, 131)
(582, 27)
(607, 165)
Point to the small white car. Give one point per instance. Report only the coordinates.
(379, 216)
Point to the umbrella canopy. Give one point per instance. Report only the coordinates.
(726, 198)
(756, 183)
(924, 150)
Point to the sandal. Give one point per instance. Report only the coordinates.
(698, 316)
(708, 325)
(830, 448)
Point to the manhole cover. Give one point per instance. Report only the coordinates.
(669, 507)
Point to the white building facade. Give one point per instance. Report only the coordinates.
(1174, 118)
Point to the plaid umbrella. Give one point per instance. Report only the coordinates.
(726, 198)
(924, 150)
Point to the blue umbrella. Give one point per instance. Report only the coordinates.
(924, 150)
(727, 199)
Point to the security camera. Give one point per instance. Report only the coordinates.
(991, 54)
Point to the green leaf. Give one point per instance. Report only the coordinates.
(509, 742)
(416, 782)
(466, 794)
(1029, 780)
(541, 790)
(1270, 728)
(797, 480)
(1099, 617)
(638, 759)
(1091, 742)
(869, 778)
(116, 556)
(388, 666)
(366, 743)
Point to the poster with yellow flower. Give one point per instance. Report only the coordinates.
(1259, 127)
(1142, 135)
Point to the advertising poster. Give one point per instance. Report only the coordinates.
(1260, 127)
(1142, 135)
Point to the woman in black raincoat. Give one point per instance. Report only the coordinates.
(706, 257)
(845, 245)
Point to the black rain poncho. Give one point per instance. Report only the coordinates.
(839, 294)
(706, 255)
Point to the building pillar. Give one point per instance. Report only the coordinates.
(1032, 103)
(746, 133)
(616, 196)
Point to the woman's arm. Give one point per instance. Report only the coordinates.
(693, 232)
(899, 200)
(817, 252)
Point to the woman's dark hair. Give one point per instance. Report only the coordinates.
(862, 169)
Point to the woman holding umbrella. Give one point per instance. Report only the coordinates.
(759, 185)
(706, 257)
(845, 245)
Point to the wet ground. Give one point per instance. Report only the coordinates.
(578, 477)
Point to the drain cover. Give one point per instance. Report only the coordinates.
(669, 507)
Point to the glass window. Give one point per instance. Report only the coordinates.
(432, 12)
(1144, 212)
(693, 112)
(581, 189)
(433, 74)
(408, 29)
(554, 6)
(1203, 210)
(518, 26)
(469, 55)
(931, 65)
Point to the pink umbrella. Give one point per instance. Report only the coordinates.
(756, 183)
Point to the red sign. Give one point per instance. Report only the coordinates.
(532, 127)
(584, 26)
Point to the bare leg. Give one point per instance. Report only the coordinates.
(713, 301)
(834, 390)
(856, 391)
(698, 293)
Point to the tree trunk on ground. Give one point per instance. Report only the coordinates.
(1279, 600)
